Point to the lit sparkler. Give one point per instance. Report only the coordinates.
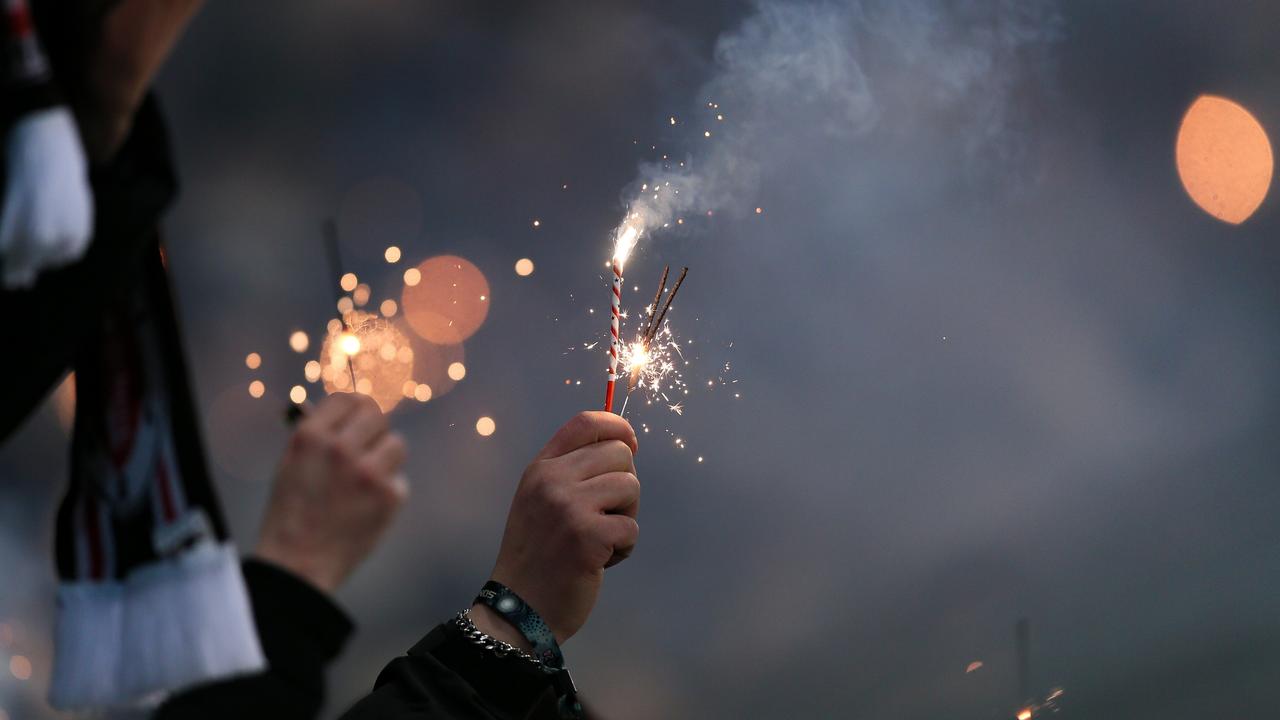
(627, 237)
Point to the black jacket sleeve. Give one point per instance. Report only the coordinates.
(445, 676)
(301, 630)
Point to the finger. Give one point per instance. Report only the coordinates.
(588, 428)
(387, 457)
(616, 492)
(330, 412)
(621, 533)
(363, 427)
(598, 459)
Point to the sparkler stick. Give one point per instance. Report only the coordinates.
(626, 240)
(653, 307)
(657, 324)
(614, 322)
(335, 270)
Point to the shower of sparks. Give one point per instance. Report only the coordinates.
(660, 368)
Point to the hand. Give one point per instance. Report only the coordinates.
(337, 489)
(574, 514)
(47, 216)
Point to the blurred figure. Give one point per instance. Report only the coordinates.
(573, 515)
(336, 491)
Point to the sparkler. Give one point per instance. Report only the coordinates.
(640, 355)
(627, 236)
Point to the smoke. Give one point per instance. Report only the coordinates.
(799, 73)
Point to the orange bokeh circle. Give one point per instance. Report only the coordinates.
(449, 303)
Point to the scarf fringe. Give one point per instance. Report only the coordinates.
(169, 625)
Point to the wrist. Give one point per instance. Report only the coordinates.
(304, 567)
(493, 624)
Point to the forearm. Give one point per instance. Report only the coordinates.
(135, 39)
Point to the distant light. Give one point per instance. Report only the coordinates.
(256, 389)
(388, 307)
(485, 426)
(537, 223)
(312, 370)
(706, 134)
(699, 458)
(252, 361)
(673, 119)
(299, 341)
(20, 666)
(349, 344)
(298, 394)
(975, 665)
(422, 392)
(1224, 158)
(412, 276)
(759, 210)
(524, 267)
(392, 254)
(457, 371)
(348, 282)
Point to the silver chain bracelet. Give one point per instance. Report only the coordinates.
(490, 643)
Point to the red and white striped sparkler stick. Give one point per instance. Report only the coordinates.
(614, 332)
(627, 237)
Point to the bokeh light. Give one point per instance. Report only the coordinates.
(349, 282)
(253, 361)
(298, 394)
(431, 366)
(20, 666)
(379, 354)
(257, 389)
(485, 426)
(391, 254)
(457, 371)
(311, 370)
(524, 267)
(422, 392)
(450, 303)
(412, 276)
(1224, 158)
(299, 341)
(361, 295)
(388, 308)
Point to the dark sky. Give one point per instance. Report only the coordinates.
(992, 361)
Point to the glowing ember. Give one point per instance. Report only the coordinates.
(349, 343)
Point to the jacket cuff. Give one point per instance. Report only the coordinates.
(509, 685)
(297, 623)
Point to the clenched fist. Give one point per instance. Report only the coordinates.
(337, 489)
(574, 514)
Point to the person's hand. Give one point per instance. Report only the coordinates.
(336, 490)
(47, 215)
(574, 514)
